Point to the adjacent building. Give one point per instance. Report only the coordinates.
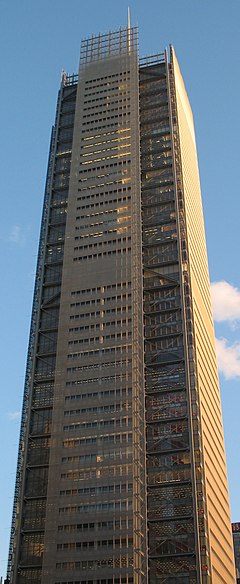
(121, 474)
(236, 545)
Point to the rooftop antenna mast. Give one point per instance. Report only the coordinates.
(129, 30)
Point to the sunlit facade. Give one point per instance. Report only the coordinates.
(121, 473)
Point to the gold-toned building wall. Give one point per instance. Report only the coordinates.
(212, 457)
(97, 459)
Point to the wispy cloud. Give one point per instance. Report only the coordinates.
(226, 308)
(17, 235)
(14, 415)
(226, 302)
(228, 357)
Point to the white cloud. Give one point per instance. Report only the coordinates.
(226, 301)
(226, 308)
(16, 235)
(14, 415)
(228, 357)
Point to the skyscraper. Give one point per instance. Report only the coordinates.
(121, 474)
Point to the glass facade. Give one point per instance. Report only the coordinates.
(172, 536)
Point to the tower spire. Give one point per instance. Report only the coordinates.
(129, 18)
(128, 30)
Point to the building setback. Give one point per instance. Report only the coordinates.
(121, 474)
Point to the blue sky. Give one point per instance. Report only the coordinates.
(37, 40)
